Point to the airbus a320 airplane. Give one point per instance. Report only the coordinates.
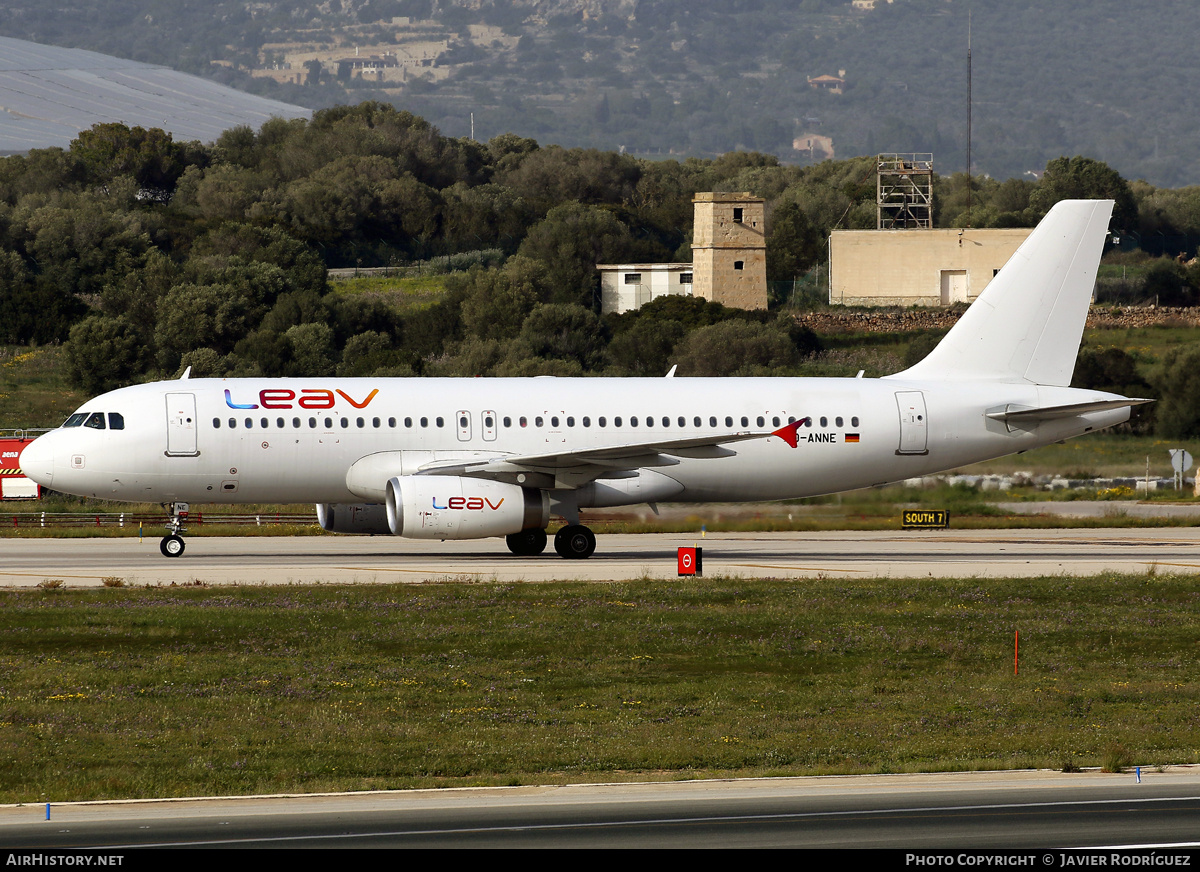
(475, 458)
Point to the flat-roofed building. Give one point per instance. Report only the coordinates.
(628, 286)
(917, 267)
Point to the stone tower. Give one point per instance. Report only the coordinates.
(729, 250)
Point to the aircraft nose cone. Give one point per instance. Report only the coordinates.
(37, 461)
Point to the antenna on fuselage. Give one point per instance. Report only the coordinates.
(186, 373)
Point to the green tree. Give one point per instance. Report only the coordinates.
(1083, 178)
(104, 353)
(571, 240)
(565, 332)
(151, 157)
(737, 348)
(498, 301)
(793, 245)
(1178, 407)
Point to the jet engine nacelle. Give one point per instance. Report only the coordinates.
(457, 507)
(364, 518)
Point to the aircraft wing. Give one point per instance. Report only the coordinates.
(571, 468)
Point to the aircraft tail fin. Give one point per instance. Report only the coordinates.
(1028, 322)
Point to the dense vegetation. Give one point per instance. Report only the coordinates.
(147, 256)
(1118, 80)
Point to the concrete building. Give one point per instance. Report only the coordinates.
(628, 286)
(916, 267)
(729, 260)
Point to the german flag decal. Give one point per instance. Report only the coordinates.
(851, 437)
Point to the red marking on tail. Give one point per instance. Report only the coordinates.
(788, 432)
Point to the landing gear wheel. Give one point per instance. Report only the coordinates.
(527, 543)
(171, 546)
(575, 542)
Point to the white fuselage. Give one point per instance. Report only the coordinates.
(295, 440)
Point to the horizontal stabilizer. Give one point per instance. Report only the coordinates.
(1049, 413)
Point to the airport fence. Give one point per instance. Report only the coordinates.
(149, 520)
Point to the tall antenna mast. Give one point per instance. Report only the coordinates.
(968, 117)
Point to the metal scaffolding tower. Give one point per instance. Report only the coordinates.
(904, 192)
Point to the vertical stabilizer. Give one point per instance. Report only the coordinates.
(1027, 324)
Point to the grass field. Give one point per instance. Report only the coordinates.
(404, 294)
(174, 691)
(33, 387)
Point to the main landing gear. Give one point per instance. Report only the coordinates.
(527, 543)
(172, 544)
(574, 542)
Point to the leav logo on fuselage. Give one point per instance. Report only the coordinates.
(308, 398)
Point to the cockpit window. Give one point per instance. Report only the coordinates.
(116, 421)
(95, 421)
(75, 420)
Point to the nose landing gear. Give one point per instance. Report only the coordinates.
(172, 544)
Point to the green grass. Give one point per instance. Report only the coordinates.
(185, 691)
(404, 294)
(33, 387)
(1097, 455)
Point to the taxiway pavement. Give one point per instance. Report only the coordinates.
(982, 810)
(380, 559)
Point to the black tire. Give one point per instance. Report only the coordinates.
(575, 542)
(171, 546)
(527, 543)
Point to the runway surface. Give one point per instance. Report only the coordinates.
(1043, 810)
(375, 559)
